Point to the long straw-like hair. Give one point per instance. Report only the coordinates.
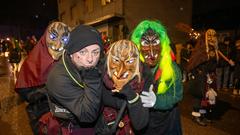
(207, 45)
(165, 63)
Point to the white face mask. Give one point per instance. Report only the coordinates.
(87, 57)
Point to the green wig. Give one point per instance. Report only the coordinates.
(165, 63)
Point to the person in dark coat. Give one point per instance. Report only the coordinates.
(236, 56)
(223, 71)
(185, 55)
(167, 90)
(76, 91)
(203, 62)
(125, 76)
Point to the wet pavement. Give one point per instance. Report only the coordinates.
(226, 116)
(14, 120)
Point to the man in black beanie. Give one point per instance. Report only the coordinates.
(74, 85)
(76, 91)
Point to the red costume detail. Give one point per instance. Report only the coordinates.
(158, 74)
(36, 66)
(173, 56)
(159, 71)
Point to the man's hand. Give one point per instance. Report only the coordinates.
(231, 62)
(148, 98)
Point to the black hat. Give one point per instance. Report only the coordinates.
(83, 36)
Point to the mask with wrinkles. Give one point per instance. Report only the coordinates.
(122, 62)
(57, 37)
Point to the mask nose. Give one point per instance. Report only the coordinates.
(121, 71)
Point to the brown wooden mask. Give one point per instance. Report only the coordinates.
(122, 62)
(150, 47)
(57, 37)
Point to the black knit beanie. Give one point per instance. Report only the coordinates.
(83, 36)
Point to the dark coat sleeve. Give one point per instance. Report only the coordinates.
(137, 113)
(84, 103)
(110, 100)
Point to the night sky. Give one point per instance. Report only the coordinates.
(217, 14)
(32, 13)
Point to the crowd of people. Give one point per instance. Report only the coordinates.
(16, 50)
(77, 82)
(210, 67)
(226, 73)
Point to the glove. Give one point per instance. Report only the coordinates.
(128, 92)
(90, 73)
(148, 98)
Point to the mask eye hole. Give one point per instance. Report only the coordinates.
(115, 59)
(65, 40)
(156, 42)
(130, 61)
(144, 43)
(52, 36)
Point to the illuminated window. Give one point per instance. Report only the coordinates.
(105, 2)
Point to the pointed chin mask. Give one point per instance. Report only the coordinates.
(150, 47)
(122, 62)
(56, 38)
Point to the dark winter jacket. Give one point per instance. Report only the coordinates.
(84, 104)
(82, 100)
(135, 116)
(165, 115)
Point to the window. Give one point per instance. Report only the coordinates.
(105, 2)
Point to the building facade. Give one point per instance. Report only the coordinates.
(117, 18)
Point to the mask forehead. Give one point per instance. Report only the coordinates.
(124, 51)
(150, 36)
(57, 37)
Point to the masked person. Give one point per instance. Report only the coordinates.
(124, 78)
(74, 85)
(152, 40)
(35, 68)
(203, 62)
